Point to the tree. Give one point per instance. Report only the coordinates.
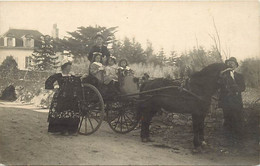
(8, 66)
(149, 51)
(130, 50)
(81, 41)
(251, 72)
(116, 48)
(151, 56)
(196, 59)
(44, 57)
(161, 57)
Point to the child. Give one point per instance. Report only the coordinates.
(96, 68)
(111, 70)
(124, 69)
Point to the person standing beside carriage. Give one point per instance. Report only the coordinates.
(64, 114)
(99, 48)
(231, 99)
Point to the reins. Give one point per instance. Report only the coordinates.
(164, 88)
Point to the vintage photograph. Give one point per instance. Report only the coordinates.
(129, 82)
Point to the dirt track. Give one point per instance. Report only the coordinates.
(24, 140)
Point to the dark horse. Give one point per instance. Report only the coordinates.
(194, 98)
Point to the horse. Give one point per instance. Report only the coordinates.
(194, 98)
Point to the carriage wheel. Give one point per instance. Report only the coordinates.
(122, 116)
(92, 110)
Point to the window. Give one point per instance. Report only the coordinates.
(28, 62)
(28, 42)
(10, 42)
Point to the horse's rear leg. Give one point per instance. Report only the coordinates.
(198, 130)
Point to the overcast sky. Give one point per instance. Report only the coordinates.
(171, 25)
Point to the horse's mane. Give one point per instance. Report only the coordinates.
(211, 69)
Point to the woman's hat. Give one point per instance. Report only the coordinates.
(113, 58)
(122, 61)
(66, 60)
(97, 53)
(232, 59)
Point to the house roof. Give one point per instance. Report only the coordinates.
(18, 33)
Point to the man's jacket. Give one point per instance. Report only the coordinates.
(230, 92)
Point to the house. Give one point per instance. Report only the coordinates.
(20, 44)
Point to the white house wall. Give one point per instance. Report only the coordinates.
(18, 55)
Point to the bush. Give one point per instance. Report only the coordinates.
(8, 67)
(251, 70)
(155, 71)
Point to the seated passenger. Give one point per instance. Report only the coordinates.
(124, 69)
(111, 71)
(96, 68)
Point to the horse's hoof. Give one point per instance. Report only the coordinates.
(204, 143)
(146, 140)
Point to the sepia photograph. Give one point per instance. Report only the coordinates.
(130, 82)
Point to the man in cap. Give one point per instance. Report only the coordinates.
(99, 48)
(231, 99)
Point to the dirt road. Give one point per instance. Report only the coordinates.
(24, 140)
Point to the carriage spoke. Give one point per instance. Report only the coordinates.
(126, 123)
(129, 118)
(86, 125)
(80, 123)
(121, 124)
(91, 124)
(117, 121)
(96, 119)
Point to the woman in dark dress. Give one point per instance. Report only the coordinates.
(64, 110)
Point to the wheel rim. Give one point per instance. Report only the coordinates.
(92, 110)
(122, 117)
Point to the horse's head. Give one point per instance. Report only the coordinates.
(208, 80)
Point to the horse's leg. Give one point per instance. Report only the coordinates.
(201, 129)
(146, 118)
(195, 125)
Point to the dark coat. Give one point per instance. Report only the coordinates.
(103, 49)
(230, 93)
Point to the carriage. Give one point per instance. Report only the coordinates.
(100, 103)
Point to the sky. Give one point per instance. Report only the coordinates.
(171, 25)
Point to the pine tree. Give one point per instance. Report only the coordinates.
(81, 41)
(44, 57)
(8, 67)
